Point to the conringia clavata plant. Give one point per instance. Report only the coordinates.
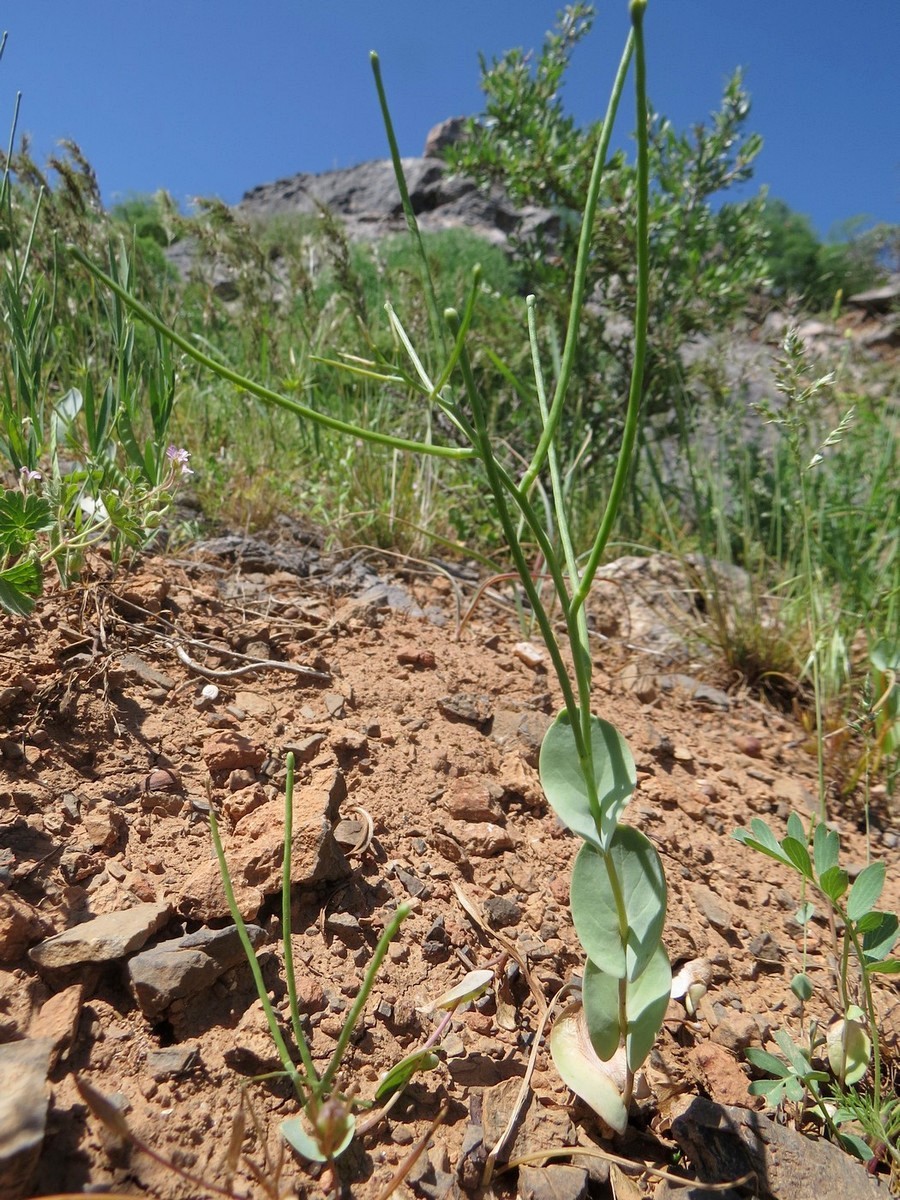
(618, 893)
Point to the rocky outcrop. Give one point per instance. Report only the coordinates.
(367, 201)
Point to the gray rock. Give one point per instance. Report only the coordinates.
(553, 1183)
(367, 201)
(443, 135)
(185, 966)
(714, 910)
(880, 299)
(501, 912)
(724, 1143)
(172, 1061)
(103, 939)
(24, 1067)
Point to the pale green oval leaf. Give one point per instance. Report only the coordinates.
(833, 882)
(582, 1071)
(889, 966)
(564, 784)
(799, 856)
(642, 883)
(795, 829)
(646, 1001)
(826, 848)
(600, 991)
(297, 1135)
(865, 893)
(469, 988)
(801, 986)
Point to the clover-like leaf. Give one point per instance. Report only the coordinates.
(866, 890)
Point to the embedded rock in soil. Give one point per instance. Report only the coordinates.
(229, 750)
(102, 939)
(254, 853)
(553, 1183)
(24, 1067)
(20, 926)
(184, 966)
(724, 1143)
(58, 1019)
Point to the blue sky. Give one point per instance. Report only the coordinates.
(211, 97)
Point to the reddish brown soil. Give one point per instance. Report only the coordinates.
(85, 829)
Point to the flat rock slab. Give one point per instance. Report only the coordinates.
(24, 1067)
(185, 966)
(725, 1143)
(102, 939)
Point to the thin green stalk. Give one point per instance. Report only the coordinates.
(437, 328)
(580, 651)
(499, 483)
(642, 306)
(581, 265)
(871, 1018)
(287, 946)
(812, 617)
(253, 962)
(256, 389)
(390, 931)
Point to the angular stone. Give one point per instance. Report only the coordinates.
(20, 926)
(24, 1067)
(229, 750)
(501, 912)
(472, 799)
(102, 939)
(481, 840)
(555, 1182)
(255, 849)
(724, 1143)
(182, 967)
(736, 1032)
(58, 1020)
(172, 1061)
(467, 707)
(713, 909)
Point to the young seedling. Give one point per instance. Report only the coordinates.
(618, 884)
(330, 1122)
(864, 937)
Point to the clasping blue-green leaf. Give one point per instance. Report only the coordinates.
(563, 780)
(641, 883)
(646, 1000)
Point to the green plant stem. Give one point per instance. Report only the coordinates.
(286, 943)
(499, 484)
(253, 962)
(256, 389)
(580, 647)
(814, 635)
(390, 931)
(412, 224)
(581, 265)
(642, 306)
(871, 1018)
